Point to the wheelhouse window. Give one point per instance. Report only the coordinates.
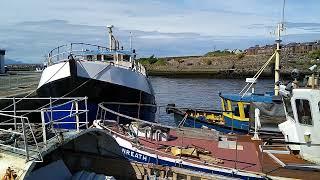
(246, 108)
(224, 104)
(304, 111)
(99, 57)
(108, 57)
(288, 106)
(235, 108)
(126, 57)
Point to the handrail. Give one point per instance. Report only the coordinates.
(100, 106)
(44, 98)
(129, 104)
(88, 44)
(25, 125)
(61, 53)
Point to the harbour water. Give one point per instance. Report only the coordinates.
(197, 92)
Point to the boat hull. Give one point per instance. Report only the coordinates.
(202, 123)
(202, 120)
(113, 84)
(139, 155)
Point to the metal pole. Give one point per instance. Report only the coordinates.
(77, 115)
(86, 104)
(44, 136)
(232, 122)
(236, 153)
(261, 156)
(110, 37)
(14, 113)
(277, 61)
(194, 118)
(51, 115)
(130, 41)
(58, 54)
(25, 138)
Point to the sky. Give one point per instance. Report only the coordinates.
(30, 29)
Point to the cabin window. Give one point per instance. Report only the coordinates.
(225, 105)
(288, 106)
(99, 57)
(235, 108)
(126, 57)
(304, 111)
(108, 57)
(89, 57)
(246, 108)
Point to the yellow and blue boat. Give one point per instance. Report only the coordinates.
(235, 114)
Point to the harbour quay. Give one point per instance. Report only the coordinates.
(18, 83)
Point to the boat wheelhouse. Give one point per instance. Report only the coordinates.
(301, 128)
(236, 108)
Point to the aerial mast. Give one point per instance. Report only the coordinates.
(110, 37)
(280, 28)
(131, 41)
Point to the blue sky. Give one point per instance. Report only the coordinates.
(29, 29)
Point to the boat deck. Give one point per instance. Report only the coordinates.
(234, 152)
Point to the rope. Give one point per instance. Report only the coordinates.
(183, 120)
(65, 94)
(256, 76)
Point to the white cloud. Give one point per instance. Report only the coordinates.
(191, 26)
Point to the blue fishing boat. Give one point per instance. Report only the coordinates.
(234, 115)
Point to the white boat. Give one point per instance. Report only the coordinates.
(103, 74)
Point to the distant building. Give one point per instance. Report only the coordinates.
(291, 48)
(2, 68)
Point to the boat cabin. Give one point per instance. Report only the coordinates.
(236, 108)
(301, 128)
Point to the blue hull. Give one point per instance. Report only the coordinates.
(199, 123)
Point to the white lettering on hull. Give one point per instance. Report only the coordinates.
(134, 154)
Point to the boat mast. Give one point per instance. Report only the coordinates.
(110, 37)
(280, 28)
(131, 41)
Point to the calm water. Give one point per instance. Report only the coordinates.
(197, 92)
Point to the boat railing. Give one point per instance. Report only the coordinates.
(101, 117)
(273, 147)
(73, 113)
(82, 50)
(17, 139)
(36, 134)
(103, 110)
(63, 51)
(113, 110)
